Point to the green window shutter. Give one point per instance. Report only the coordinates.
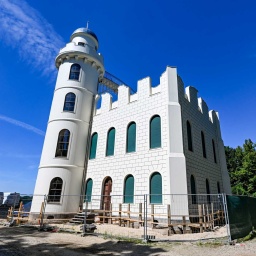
(156, 188)
(88, 190)
(111, 142)
(193, 189)
(203, 144)
(155, 132)
(208, 192)
(129, 189)
(189, 135)
(93, 149)
(214, 152)
(131, 138)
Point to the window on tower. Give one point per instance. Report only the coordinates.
(62, 144)
(69, 104)
(80, 43)
(74, 72)
(55, 190)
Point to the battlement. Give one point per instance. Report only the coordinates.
(170, 84)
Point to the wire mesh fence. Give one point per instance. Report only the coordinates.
(149, 216)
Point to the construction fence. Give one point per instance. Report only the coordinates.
(147, 216)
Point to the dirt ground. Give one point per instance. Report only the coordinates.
(27, 240)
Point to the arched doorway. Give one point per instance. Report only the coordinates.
(106, 190)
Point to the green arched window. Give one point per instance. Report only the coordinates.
(155, 132)
(189, 135)
(128, 189)
(131, 138)
(111, 142)
(88, 191)
(214, 152)
(208, 192)
(156, 188)
(203, 144)
(93, 148)
(193, 189)
(218, 187)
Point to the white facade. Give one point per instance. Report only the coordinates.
(172, 159)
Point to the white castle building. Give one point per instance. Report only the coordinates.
(161, 140)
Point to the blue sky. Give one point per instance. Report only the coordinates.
(212, 43)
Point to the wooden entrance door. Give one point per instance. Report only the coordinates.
(106, 198)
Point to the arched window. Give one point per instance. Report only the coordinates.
(218, 187)
(203, 144)
(128, 189)
(74, 72)
(155, 132)
(214, 152)
(156, 188)
(208, 192)
(69, 104)
(193, 189)
(93, 148)
(55, 190)
(88, 191)
(131, 138)
(62, 144)
(189, 135)
(111, 142)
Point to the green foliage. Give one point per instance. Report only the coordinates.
(241, 164)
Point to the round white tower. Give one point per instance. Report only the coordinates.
(62, 162)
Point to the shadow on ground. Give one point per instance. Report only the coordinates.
(21, 241)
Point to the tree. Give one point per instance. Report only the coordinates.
(241, 164)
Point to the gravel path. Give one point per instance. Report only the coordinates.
(21, 241)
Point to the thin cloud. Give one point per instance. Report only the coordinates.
(23, 125)
(24, 28)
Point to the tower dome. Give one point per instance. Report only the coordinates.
(83, 31)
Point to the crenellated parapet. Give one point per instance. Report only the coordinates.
(125, 96)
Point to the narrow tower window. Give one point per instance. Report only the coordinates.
(214, 152)
(128, 189)
(93, 149)
(193, 189)
(155, 132)
(208, 192)
(69, 104)
(74, 72)
(55, 190)
(189, 135)
(111, 142)
(131, 138)
(156, 188)
(62, 144)
(88, 190)
(203, 144)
